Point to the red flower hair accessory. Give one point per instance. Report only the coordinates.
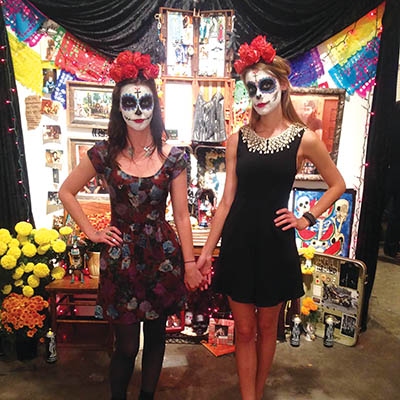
(259, 49)
(127, 65)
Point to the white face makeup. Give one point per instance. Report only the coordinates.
(136, 105)
(264, 90)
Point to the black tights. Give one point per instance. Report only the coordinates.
(126, 349)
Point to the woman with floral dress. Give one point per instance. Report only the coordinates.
(144, 266)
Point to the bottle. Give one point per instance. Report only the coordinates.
(51, 350)
(295, 332)
(328, 335)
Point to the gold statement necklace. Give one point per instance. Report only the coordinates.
(259, 144)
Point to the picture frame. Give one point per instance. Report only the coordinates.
(88, 104)
(221, 331)
(77, 148)
(321, 109)
(332, 232)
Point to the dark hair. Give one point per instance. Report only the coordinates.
(280, 68)
(117, 129)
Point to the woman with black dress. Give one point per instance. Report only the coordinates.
(258, 266)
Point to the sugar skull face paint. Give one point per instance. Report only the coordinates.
(264, 90)
(136, 105)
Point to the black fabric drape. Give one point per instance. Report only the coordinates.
(293, 26)
(379, 142)
(15, 204)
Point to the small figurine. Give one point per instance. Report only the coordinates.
(329, 328)
(51, 351)
(296, 331)
(76, 263)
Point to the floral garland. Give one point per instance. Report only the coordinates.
(128, 65)
(258, 50)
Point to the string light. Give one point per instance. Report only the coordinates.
(13, 128)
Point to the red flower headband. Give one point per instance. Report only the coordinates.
(259, 49)
(127, 65)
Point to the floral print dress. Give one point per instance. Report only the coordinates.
(142, 278)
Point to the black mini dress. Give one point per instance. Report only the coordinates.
(258, 262)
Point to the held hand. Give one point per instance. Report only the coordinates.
(110, 235)
(193, 277)
(286, 219)
(204, 264)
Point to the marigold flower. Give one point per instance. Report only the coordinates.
(8, 262)
(19, 271)
(59, 246)
(6, 289)
(23, 228)
(43, 249)
(65, 230)
(28, 291)
(58, 273)
(3, 248)
(13, 243)
(29, 250)
(5, 235)
(29, 267)
(42, 236)
(33, 281)
(307, 252)
(15, 252)
(41, 270)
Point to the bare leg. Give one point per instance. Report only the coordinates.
(267, 319)
(245, 347)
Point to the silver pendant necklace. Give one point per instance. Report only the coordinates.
(148, 150)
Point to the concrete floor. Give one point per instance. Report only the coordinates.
(367, 371)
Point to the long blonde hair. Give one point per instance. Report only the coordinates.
(280, 68)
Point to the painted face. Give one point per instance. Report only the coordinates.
(264, 90)
(136, 105)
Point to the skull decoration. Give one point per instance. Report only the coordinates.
(342, 210)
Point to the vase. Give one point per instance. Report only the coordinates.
(26, 348)
(310, 331)
(93, 263)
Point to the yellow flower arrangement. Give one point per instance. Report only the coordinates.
(22, 314)
(31, 259)
(307, 267)
(309, 310)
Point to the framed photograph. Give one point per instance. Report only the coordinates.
(332, 232)
(211, 169)
(321, 110)
(77, 149)
(221, 331)
(88, 104)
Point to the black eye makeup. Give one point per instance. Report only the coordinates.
(267, 85)
(251, 88)
(128, 101)
(146, 102)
